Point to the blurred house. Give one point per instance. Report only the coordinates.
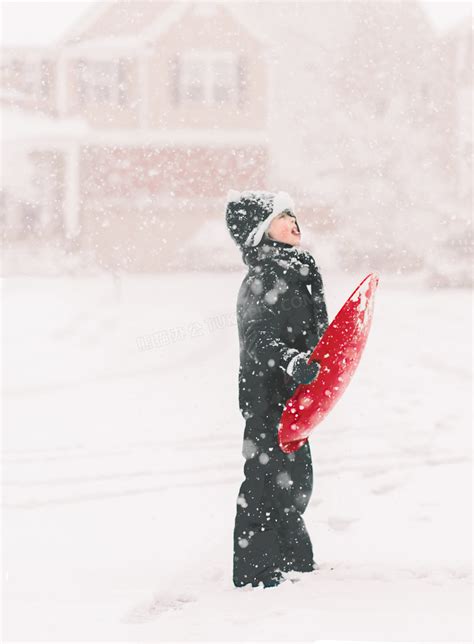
(449, 260)
(172, 115)
(142, 117)
(459, 45)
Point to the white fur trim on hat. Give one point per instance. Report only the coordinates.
(233, 195)
(282, 201)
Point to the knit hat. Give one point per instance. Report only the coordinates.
(249, 213)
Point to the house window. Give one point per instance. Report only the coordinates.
(224, 80)
(17, 67)
(123, 89)
(46, 77)
(30, 218)
(15, 71)
(12, 71)
(103, 81)
(208, 77)
(194, 79)
(30, 77)
(81, 81)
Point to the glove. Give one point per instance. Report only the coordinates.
(302, 372)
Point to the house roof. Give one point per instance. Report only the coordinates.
(132, 24)
(133, 43)
(125, 19)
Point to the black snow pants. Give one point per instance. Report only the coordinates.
(269, 532)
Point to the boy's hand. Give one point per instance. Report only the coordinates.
(302, 372)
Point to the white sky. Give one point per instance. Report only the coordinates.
(35, 22)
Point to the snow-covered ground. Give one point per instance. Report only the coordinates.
(121, 468)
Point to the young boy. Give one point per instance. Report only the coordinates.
(281, 315)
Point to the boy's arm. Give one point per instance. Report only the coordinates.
(320, 308)
(262, 341)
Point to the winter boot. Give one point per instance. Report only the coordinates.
(270, 580)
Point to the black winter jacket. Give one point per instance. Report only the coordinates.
(281, 310)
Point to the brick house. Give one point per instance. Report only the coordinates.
(150, 111)
(166, 128)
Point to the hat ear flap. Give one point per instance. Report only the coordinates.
(233, 195)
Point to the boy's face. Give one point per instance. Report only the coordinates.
(283, 228)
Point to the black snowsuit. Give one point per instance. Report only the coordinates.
(277, 317)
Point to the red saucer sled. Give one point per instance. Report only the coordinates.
(338, 352)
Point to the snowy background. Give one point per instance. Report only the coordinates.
(122, 437)
(122, 466)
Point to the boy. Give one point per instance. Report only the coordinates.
(281, 315)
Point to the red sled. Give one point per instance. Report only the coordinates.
(338, 352)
